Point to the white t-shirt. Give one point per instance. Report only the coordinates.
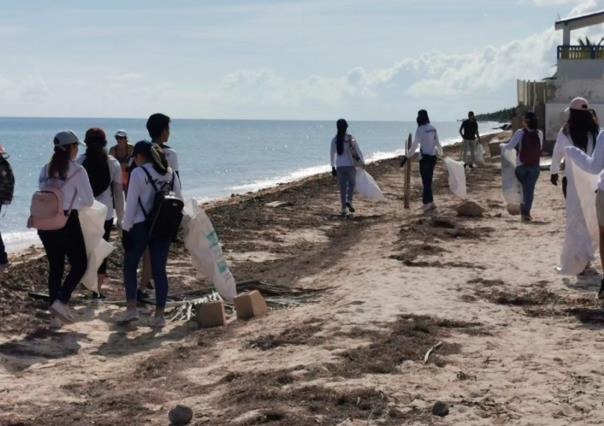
(106, 197)
(559, 153)
(171, 157)
(139, 188)
(426, 138)
(344, 160)
(78, 185)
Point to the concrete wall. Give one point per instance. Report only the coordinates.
(580, 69)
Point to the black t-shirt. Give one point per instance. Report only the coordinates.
(469, 128)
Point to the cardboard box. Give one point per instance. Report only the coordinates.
(211, 314)
(250, 304)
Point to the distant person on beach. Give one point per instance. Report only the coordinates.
(580, 130)
(151, 175)
(65, 174)
(469, 133)
(528, 143)
(105, 175)
(344, 155)
(7, 188)
(426, 138)
(122, 152)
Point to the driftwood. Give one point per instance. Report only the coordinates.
(407, 187)
(431, 351)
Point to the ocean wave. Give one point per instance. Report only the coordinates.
(16, 241)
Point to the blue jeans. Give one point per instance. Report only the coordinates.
(346, 178)
(138, 239)
(3, 256)
(426, 170)
(528, 176)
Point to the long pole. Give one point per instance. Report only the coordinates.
(407, 189)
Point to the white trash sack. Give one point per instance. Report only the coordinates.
(92, 221)
(510, 186)
(581, 236)
(479, 154)
(366, 186)
(202, 242)
(457, 177)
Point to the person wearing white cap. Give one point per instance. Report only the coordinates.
(65, 174)
(122, 152)
(580, 130)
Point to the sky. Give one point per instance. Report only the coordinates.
(268, 59)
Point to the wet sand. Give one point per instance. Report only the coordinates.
(520, 344)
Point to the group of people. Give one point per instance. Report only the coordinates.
(125, 179)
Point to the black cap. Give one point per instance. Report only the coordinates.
(529, 115)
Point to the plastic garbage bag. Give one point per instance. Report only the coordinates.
(366, 186)
(581, 236)
(92, 221)
(512, 191)
(457, 177)
(202, 242)
(479, 155)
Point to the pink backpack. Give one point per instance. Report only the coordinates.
(47, 212)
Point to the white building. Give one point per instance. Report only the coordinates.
(580, 72)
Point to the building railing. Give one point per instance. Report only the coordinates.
(580, 52)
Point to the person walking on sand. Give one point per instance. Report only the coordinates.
(528, 142)
(344, 155)
(71, 179)
(580, 130)
(469, 133)
(151, 175)
(105, 175)
(7, 188)
(122, 152)
(426, 138)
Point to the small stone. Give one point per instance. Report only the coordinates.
(470, 208)
(180, 415)
(440, 409)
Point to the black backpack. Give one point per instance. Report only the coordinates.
(164, 218)
(7, 182)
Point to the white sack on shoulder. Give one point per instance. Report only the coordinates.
(366, 186)
(457, 177)
(92, 221)
(512, 191)
(202, 242)
(581, 237)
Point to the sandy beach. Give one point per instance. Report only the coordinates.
(363, 300)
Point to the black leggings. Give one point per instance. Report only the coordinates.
(69, 242)
(426, 170)
(106, 236)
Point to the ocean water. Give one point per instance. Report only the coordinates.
(216, 157)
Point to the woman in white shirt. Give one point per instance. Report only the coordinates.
(64, 173)
(151, 164)
(426, 137)
(581, 130)
(343, 154)
(105, 175)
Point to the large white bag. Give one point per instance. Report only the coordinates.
(457, 177)
(202, 242)
(512, 191)
(581, 237)
(479, 154)
(367, 187)
(92, 221)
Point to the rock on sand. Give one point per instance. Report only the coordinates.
(469, 208)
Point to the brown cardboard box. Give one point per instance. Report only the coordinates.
(250, 304)
(211, 314)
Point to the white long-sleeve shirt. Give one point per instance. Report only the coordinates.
(559, 153)
(426, 138)
(517, 138)
(593, 164)
(113, 196)
(78, 185)
(345, 159)
(141, 188)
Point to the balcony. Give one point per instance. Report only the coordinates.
(580, 52)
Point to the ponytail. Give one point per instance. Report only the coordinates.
(342, 126)
(158, 158)
(59, 163)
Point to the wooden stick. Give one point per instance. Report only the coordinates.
(431, 350)
(407, 188)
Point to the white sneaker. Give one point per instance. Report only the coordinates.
(61, 310)
(128, 316)
(55, 323)
(157, 322)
